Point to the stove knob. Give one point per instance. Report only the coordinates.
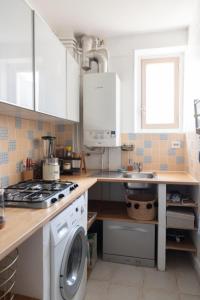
(76, 209)
(61, 196)
(76, 185)
(71, 188)
(53, 200)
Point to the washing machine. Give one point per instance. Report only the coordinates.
(68, 252)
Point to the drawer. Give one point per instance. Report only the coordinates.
(129, 239)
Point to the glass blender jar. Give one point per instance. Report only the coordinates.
(2, 209)
(51, 168)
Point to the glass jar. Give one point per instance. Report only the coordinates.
(2, 208)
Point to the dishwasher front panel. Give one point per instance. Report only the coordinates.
(129, 242)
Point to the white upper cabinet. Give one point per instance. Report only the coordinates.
(16, 53)
(73, 89)
(50, 71)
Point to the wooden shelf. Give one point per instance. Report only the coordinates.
(20, 297)
(186, 245)
(192, 229)
(91, 219)
(113, 210)
(181, 204)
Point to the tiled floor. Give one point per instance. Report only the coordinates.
(110, 281)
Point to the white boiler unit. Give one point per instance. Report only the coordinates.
(101, 110)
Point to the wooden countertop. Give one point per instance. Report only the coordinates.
(21, 223)
(179, 178)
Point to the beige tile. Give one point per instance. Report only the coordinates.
(97, 290)
(188, 283)
(155, 294)
(103, 271)
(119, 292)
(128, 275)
(188, 297)
(160, 280)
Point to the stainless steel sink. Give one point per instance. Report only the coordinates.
(138, 175)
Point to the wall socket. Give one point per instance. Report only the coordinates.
(176, 144)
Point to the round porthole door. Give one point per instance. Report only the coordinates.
(73, 263)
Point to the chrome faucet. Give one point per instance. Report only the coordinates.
(137, 166)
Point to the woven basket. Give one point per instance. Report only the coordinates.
(141, 207)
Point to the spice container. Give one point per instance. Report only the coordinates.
(2, 209)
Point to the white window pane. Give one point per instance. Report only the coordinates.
(160, 80)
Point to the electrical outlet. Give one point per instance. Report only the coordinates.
(176, 145)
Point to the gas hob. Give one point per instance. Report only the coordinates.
(37, 193)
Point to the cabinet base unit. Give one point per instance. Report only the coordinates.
(129, 243)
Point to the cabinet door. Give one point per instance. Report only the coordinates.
(50, 71)
(16, 53)
(73, 88)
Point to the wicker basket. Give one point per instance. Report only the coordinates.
(141, 207)
(7, 275)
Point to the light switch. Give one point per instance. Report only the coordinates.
(176, 144)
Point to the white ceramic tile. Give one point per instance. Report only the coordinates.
(128, 275)
(188, 297)
(97, 290)
(103, 271)
(154, 279)
(156, 294)
(188, 283)
(119, 292)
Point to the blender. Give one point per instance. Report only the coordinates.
(51, 168)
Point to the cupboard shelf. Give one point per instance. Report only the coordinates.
(113, 211)
(181, 204)
(185, 245)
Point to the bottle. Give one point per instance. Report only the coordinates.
(2, 208)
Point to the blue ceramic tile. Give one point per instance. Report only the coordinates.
(163, 167)
(147, 144)
(30, 135)
(164, 136)
(172, 152)
(40, 125)
(36, 143)
(140, 151)
(132, 136)
(68, 143)
(147, 159)
(182, 144)
(18, 122)
(61, 128)
(179, 159)
(30, 154)
(3, 158)
(3, 133)
(18, 166)
(48, 133)
(12, 145)
(4, 181)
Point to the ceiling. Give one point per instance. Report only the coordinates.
(108, 18)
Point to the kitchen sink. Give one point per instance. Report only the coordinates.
(138, 175)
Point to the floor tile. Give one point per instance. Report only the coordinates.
(97, 290)
(128, 275)
(119, 292)
(188, 297)
(154, 279)
(103, 271)
(156, 294)
(188, 283)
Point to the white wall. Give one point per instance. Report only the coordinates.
(121, 60)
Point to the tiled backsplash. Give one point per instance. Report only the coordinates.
(191, 154)
(19, 138)
(155, 151)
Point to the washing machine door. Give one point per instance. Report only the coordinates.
(73, 263)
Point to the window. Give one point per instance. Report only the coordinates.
(159, 92)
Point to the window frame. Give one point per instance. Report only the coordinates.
(157, 54)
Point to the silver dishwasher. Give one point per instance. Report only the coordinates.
(129, 243)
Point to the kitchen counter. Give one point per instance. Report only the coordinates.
(179, 178)
(21, 223)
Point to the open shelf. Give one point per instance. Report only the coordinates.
(191, 204)
(113, 210)
(185, 245)
(91, 219)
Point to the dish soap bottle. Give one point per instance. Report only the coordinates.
(2, 209)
